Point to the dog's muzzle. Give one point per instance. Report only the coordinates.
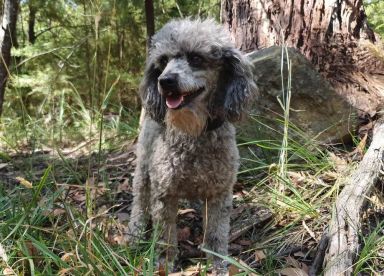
(174, 97)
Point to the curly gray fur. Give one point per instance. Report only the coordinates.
(196, 83)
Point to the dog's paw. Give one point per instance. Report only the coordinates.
(220, 272)
(165, 266)
(220, 268)
(132, 235)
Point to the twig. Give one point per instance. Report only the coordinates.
(319, 258)
(344, 226)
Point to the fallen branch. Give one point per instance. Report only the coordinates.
(344, 227)
(319, 258)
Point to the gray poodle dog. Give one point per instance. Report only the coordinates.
(195, 85)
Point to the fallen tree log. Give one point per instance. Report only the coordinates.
(344, 227)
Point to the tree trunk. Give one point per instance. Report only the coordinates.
(332, 34)
(7, 40)
(150, 20)
(31, 23)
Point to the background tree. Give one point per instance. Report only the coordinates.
(7, 40)
(150, 20)
(333, 35)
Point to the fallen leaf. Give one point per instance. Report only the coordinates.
(65, 271)
(32, 250)
(99, 190)
(3, 254)
(361, 146)
(340, 165)
(124, 186)
(296, 177)
(304, 267)
(58, 212)
(293, 262)
(244, 242)
(185, 211)
(233, 270)
(194, 270)
(24, 182)
(117, 239)
(299, 254)
(162, 271)
(259, 255)
(309, 231)
(3, 165)
(292, 271)
(8, 271)
(365, 128)
(67, 257)
(78, 196)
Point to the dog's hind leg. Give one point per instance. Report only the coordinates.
(217, 211)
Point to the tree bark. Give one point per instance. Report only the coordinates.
(7, 40)
(31, 23)
(332, 34)
(150, 21)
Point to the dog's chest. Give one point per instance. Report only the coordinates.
(195, 168)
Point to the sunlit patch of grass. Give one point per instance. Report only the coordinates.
(43, 234)
(371, 253)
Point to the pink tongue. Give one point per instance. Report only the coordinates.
(174, 102)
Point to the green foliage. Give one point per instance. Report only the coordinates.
(78, 64)
(375, 13)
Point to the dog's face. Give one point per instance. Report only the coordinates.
(186, 78)
(194, 75)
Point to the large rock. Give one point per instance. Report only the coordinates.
(315, 108)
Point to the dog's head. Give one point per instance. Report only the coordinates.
(195, 79)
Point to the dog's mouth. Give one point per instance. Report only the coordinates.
(177, 100)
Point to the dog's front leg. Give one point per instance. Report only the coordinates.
(139, 213)
(217, 211)
(164, 214)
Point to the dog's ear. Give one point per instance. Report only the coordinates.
(236, 86)
(153, 103)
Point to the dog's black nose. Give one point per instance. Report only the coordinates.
(168, 82)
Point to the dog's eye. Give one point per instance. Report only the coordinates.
(163, 61)
(195, 60)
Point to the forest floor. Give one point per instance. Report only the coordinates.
(49, 197)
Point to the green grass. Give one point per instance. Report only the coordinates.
(44, 232)
(38, 242)
(371, 253)
(63, 145)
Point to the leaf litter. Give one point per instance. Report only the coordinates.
(261, 231)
